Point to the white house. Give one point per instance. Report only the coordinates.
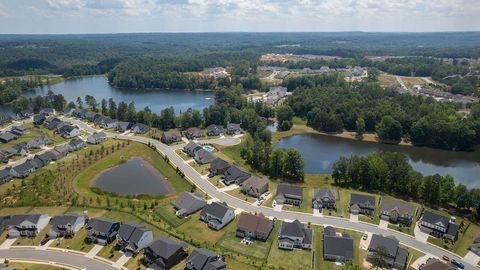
(217, 215)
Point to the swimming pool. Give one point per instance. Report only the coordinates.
(209, 148)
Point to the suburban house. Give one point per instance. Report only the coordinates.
(235, 175)
(188, 203)
(22, 170)
(91, 116)
(102, 230)
(5, 155)
(438, 225)
(294, 235)
(215, 130)
(218, 166)
(204, 259)
(436, 264)
(52, 122)
(7, 136)
(106, 122)
(24, 114)
(361, 204)
(80, 113)
(97, 137)
(255, 186)
(274, 95)
(234, 129)
(67, 111)
(19, 130)
(123, 126)
(76, 144)
(60, 151)
(140, 128)
(397, 256)
(28, 225)
(474, 247)
(337, 248)
(194, 133)
(68, 131)
(289, 194)
(254, 226)
(324, 198)
(5, 176)
(203, 156)
(171, 136)
(20, 149)
(191, 148)
(217, 215)
(44, 159)
(164, 253)
(133, 237)
(66, 225)
(47, 111)
(39, 142)
(39, 119)
(396, 211)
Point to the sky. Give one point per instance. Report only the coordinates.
(125, 16)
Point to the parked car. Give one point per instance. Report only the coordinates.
(365, 237)
(44, 241)
(458, 264)
(446, 258)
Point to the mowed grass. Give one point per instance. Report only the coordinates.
(200, 230)
(258, 249)
(305, 206)
(110, 253)
(6, 211)
(167, 213)
(182, 154)
(32, 241)
(289, 259)
(32, 266)
(234, 265)
(75, 243)
(51, 211)
(242, 196)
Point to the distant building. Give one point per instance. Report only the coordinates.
(215, 130)
(234, 129)
(172, 136)
(97, 137)
(140, 128)
(194, 133)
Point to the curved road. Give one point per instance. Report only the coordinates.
(211, 190)
(67, 258)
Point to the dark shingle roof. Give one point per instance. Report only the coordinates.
(219, 164)
(296, 229)
(434, 218)
(101, 224)
(216, 209)
(290, 191)
(321, 193)
(235, 173)
(165, 247)
(190, 202)
(201, 259)
(389, 243)
(362, 199)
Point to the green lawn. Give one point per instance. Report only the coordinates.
(51, 211)
(258, 249)
(234, 265)
(182, 154)
(33, 266)
(201, 169)
(289, 259)
(75, 243)
(201, 232)
(216, 181)
(306, 206)
(6, 211)
(167, 213)
(239, 194)
(414, 255)
(27, 241)
(91, 212)
(110, 253)
(33, 132)
(136, 263)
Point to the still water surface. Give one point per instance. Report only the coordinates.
(156, 100)
(320, 153)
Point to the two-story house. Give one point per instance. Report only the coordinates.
(438, 225)
(102, 230)
(133, 237)
(204, 259)
(396, 256)
(289, 194)
(217, 215)
(361, 204)
(255, 186)
(396, 211)
(254, 226)
(337, 247)
(235, 175)
(28, 225)
(324, 198)
(164, 253)
(294, 235)
(188, 203)
(66, 225)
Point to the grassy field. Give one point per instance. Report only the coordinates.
(50, 210)
(258, 249)
(32, 266)
(239, 194)
(202, 232)
(110, 253)
(414, 255)
(33, 132)
(201, 169)
(167, 213)
(6, 211)
(182, 154)
(289, 259)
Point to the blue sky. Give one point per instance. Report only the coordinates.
(114, 16)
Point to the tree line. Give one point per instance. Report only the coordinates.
(330, 104)
(391, 173)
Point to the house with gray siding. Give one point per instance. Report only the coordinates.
(324, 198)
(188, 203)
(337, 248)
(289, 194)
(294, 235)
(217, 215)
(102, 230)
(204, 259)
(396, 256)
(133, 237)
(66, 225)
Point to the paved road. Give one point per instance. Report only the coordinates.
(211, 190)
(60, 257)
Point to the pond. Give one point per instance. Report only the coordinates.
(134, 177)
(320, 153)
(156, 100)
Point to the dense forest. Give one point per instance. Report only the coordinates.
(331, 105)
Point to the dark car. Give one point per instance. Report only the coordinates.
(457, 264)
(44, 241)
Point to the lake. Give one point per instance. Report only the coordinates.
(134, 177)
(320, 153)
(157, 100)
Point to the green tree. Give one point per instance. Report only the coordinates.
(294, 165)
(389, 129)
(360, 124)
(284, 117)
(276, 162)
(379, 257)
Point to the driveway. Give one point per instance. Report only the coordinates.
(365, 243)
(7, 243)
(60, 257)
(278, 207)
(123, 260)
(383, 224)
(354, 218)
(94, 251)
(317, 213)
(421, 261)
(472, 258)
(419, 235)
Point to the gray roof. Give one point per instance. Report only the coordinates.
(219, 164)
(202, 259)
(165, 247)
(233, 126)
(63, 149)
(15, 220)
(101, 224)
(39, 141)
(216, 209)
(255, 182)
(64, 220)
(192, 146)
(142, 127)
(190, 202)
(98, 135)
(132, 233)
(363, 200)
(204, 156)
(290, 191)
(452, 229)
(389, 243)
(320, 193)
(340, 246)
(76, 142)
(123, 125)
(235, 173)
(217, 128)
(404, 208)
(8, 136)
(329, 230)
(296, 229)
(436, 219)
(23, 168)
